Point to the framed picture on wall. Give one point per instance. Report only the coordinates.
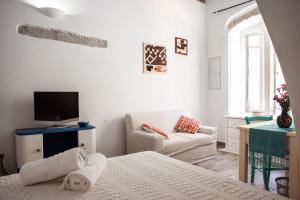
(181, 46)
(155, 59)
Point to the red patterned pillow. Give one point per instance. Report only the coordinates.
(152, 129)
(187, 125)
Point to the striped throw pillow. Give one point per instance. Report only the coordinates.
(151, 129)
(187, 125)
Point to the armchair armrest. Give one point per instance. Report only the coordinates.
(208, 130)
(143, 141)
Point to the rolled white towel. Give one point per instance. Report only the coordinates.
(53, 167)
(83, 179)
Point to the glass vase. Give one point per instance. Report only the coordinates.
(284, 120)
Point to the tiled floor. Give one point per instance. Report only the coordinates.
(226, 164)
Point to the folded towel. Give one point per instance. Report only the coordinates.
(83, 179)
(53, 167)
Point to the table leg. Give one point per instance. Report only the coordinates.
(294, 169)
(243, 157)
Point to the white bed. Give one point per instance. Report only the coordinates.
(142, 176)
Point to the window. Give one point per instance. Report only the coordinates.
(254, 70)
(254, 73)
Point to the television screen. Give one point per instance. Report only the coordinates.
(56, 106)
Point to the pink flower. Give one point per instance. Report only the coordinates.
(282, 97)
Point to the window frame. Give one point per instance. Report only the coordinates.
(237, 75)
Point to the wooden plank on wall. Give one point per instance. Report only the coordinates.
(60, 35)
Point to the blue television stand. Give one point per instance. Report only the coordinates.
(37, 143)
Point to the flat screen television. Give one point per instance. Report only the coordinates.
(56, 108)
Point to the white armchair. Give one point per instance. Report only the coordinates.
(187, 147)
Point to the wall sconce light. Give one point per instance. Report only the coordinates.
(52, 12)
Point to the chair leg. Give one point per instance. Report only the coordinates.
(266, 177)
(252, 173)
(252, 162)
(267, 172)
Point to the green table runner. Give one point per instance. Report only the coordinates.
(269, 140)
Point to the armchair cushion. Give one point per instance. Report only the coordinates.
(179, 142)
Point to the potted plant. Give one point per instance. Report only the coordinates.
(281, 96)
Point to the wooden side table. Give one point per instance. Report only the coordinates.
(294, 170)
(3, 172)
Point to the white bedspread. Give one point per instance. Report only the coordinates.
(142, 176)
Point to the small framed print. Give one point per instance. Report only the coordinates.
(181, 46)
(155, 59)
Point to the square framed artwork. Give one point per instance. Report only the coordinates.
(181, 46)
(155, 59)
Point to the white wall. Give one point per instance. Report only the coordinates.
(217, 45)
(110, 81)
(282, 19)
